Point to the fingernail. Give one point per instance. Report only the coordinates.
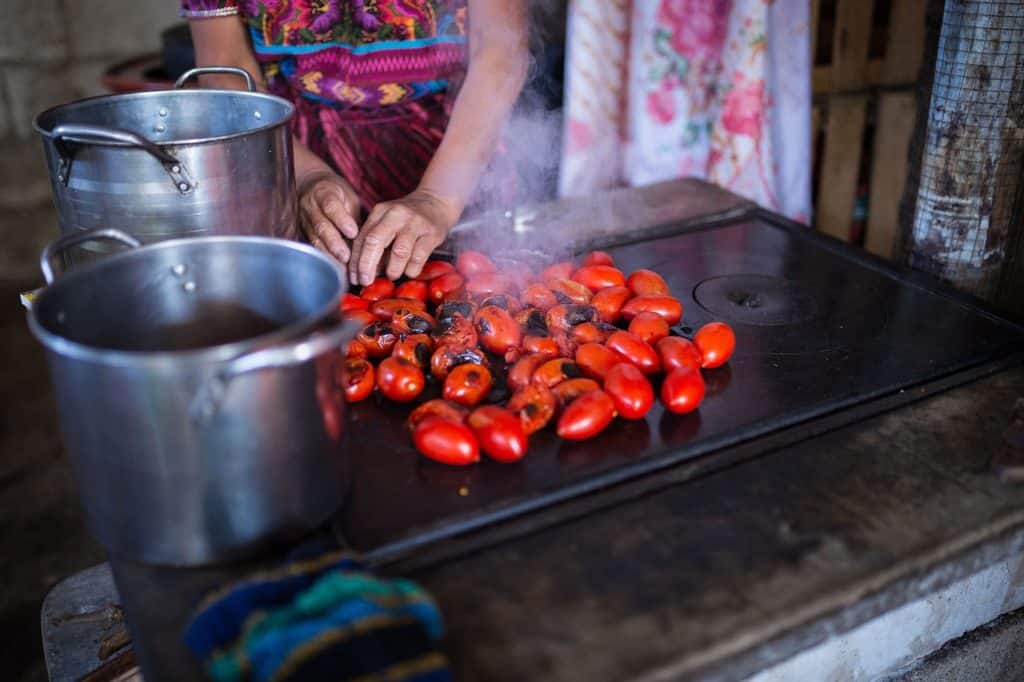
(365, 279)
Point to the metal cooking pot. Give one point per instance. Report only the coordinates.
(193, 381)
(175, 163)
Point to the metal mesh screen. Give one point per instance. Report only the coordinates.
(971, 150)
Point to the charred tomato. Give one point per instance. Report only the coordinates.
(379, 339)
(496, 329)
(436, 408)
(447, 357)
(467, 384)
(356, 378)
(539, 296)
(399, 380)
(415, 348)
(535, 405)
(569, 390)
(554, 372)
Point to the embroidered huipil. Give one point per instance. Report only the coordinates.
(370, 78)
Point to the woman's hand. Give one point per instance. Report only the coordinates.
(328, 210)
(412, 226)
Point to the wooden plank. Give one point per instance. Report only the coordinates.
(896, 115)
(821, 77)
(904, 50)
(837, 188)
(850, 44)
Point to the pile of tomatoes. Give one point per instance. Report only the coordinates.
(514, 351)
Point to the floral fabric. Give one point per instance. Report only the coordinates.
(717, 89)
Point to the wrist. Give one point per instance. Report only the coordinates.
(450, 206)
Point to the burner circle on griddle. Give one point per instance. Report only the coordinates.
(760, 300)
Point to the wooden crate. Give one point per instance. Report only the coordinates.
(858, 95)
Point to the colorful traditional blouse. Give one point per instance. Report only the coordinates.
(364, 54)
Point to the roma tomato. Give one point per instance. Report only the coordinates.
(452, 309)
(356, 378)
(497, 331)
(568, 291)
(447, 357)
(503, 301)
(488, 284)
(405, 322)
(354, 349)
(544, 345)
(668, 307)
(567, 345)
(415, 348)
(436, 408)
(675, 352)
(539, 296)
(633, 349)
(361, 317)
(561, 270)
(595, 360)
(535, 405)
(647, 283)
(379, 339)
(433, 269)
(554, 372)
(597, 277)
(568, 391)
(522, 371)
(382, 287)
(386, 308)
(565, 317)
(500, 433)
(531, 320)
(651, 327)
(470, 263)
(399, 380)
(586, 416)
(598, 258)
(682, 390)
(467, 384)
(414, 289)
(629, 390)
(609, 302)
(350, 302)
(456, 331)
(445, 287)
(716, 342)
(446, 441)
(592, 332)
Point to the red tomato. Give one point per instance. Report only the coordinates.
(413, 323)
(452, 309)
(586, 416)
(561, 270)
(382, 287)
(414, 289)
(436, 408)
(350, 302)
(682, 390)
(592, 332)
(354, 349)
(446, 441)
(355, 376)
(488, 284)
(675, 352)
(433, 269)
(569, 390)
(467, 384)
(716, 342)
(539, 296)
(399, 380)
(567, 345)
(535, 406)
(568, 291)
(362, 317)
(500, 433)
(414, 348)
(447, 357)
(647, 283)
(597, 277)
(496, 329)
(521, 373)
(503, 301)
(456, 331)
(651, 327)
(545, 345)
(444, 287)
(609, 303)
(595, 360)
(471, 263)
(633, 349)
(386, 308)
(565, 317)
(629, 390)
(554, 372)
(379, 339)
(598, 258)
(666, 306)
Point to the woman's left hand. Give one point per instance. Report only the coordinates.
(412, 226)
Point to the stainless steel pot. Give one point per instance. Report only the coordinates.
(193, 381)
(175, 163)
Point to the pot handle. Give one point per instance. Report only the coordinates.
(199, 71)
(75, 238)
(210, 395)
(71, 132)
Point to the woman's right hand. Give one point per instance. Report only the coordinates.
(328, 211)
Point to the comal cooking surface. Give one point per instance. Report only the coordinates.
(816, 331)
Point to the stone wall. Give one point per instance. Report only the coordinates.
(54, 51)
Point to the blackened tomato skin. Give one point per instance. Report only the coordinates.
(500, 433)
(586, 416)
(535, 406)
(521, 373)
(569, 390)
(446, 441)
(675, 352)
(716, 342)
(633, 349)
(399, 380)
(497, 331)
(682, 390)
(382, 287)
(356, 378)
(630, 390)
(436, 408)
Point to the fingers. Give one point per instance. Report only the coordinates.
(321, 230)
(357, 245)
(375, 239)
(401, 251)
(420, 254)
(335, 205)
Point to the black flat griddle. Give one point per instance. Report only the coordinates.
(820, 327)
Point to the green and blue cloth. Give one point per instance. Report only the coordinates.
(328, 618)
